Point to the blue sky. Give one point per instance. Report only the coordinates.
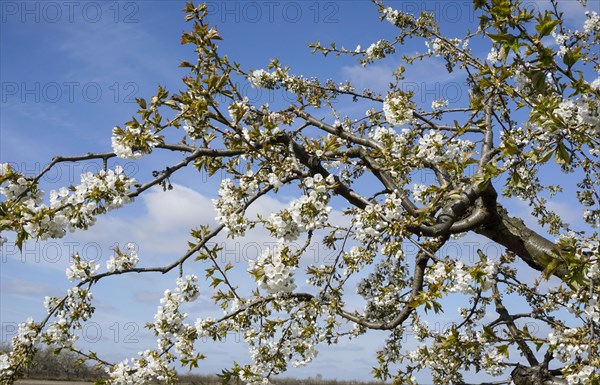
(70, 73)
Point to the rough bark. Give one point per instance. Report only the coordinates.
(537, 251)
(537, 375)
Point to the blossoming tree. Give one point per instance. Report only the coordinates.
(533, 105)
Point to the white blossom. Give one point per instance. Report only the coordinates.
(582, 376)
(439, 104)
(122, 150)
(522, 82)
(58, 333)
(418, 191)
(238, 110)
(227, 207)
(5, 365)
(378, 50)
(391, 15)
(123, 260)
(81, 269)
(435, 46)
(592, 24)
(148, 368)
(278, 278)
(27, 334)
(262, 79)
(3, 169)
(397, 110)
(492, 361)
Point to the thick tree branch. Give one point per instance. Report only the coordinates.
(537, 251)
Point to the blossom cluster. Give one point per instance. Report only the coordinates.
(368, 223)
(262, 79)
(446, 362)
(443, 47)
(108, 190)
(19, 188)
(592, 24)
(238, 110)
(397, 109)
(95, 195)
(228, 208)
(435, 148)
(69, 208)
(309, 212)
(375, 51)
(584, 110)
(58, 333)
(582, 376)
(133, 143)
(494, 56)
(80, 269)
(560, 39)
(168, 320)
(147, 368)
(123, 260)
(438, 104)
(74, 308)
(382, 289)
(567, 345)
(27, 337)
(272, 272)
(5, 365)
(27, 334)
(461, 278)
(492, 360)
(395, 142)
(418, 192)
(392, 207)
(522, 82)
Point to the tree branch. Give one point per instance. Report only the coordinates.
(512, 233)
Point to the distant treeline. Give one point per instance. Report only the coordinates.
(63, 366)
(66, 366)
(194, 379)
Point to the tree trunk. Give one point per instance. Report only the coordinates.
(536, 375)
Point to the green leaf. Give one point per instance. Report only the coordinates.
(546, 25)
(550, 268)
(21, 237)
(546, 156)
(572, 56)
(511, 148)
(538, 81)
(561, 156)
(500, 8)
(503, 349)
(502, 38)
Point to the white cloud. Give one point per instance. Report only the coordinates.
(163, 228)
(88, 53)
(375, 77)
(178, 209)
(378, 76)
(27, 288)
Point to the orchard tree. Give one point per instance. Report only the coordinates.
(532, 114)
